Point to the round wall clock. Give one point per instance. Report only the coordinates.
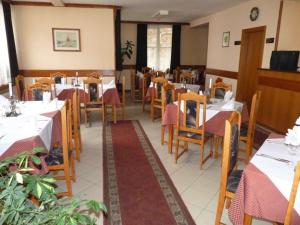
(254, 13)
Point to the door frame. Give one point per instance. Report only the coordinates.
(243, 51)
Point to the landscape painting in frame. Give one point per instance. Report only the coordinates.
(226, 39)
(66, 39)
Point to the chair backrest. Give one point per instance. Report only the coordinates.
(219, 89)
(188, 77)
(96, 75)
(146, 69)
(230, 146)
(168, 95)
(65, 117)
(44, 80)
(93, 87)
(160, 73)
(20, 86)
(253, 115)
(189, 105)
(290, 209)
(35, 91)
(56, 77)
(158, 83)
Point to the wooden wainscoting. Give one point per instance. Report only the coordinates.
(280, 99)
(222, 73)
(69, 73)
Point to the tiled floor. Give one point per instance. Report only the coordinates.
(198, 188)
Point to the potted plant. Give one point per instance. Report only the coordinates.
(27, 197)
(126, 51)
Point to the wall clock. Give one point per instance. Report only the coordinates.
(254, 13)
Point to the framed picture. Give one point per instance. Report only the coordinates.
(66, 39)
(226, 39)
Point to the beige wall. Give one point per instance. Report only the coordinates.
(234, 20)
(194, 45)
(33, 28)
(290, 28)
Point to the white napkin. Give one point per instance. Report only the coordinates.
(139, 74)
(46, 96)
(111, 84)
(293, 136)
(228, 106)
(200, 93)
(228, 96)
(298, 121)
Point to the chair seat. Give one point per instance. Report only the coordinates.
(233, 180)
(55, 157)
(193, 135)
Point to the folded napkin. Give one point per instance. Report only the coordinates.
(46, 96)
(111, 84)
(229, 105)
(293, 136)
(139, 74)
(298, 121)
(228, 96)
(200, 93)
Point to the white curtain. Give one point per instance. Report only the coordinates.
(4, 58)
(159, 46)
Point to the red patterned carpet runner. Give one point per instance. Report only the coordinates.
(137, 188)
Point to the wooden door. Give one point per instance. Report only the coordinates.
(252, 47)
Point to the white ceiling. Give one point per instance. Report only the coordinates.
(179, 10)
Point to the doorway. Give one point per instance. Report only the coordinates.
(251, 55)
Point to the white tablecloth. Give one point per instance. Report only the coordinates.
(281, 174)
(29, 124)
(60, 87)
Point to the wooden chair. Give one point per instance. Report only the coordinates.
(160, 74)
(188, 77)
(20, 87)
(61, 159)
(247, 132)
(146, 80)
(56, 77)
(92, 102)
(168, 96)
(188, 130)
(219, 89)
(75, 128)
(35, 91)
(96, 75)
(229, 176)
(45, 81)
(156, 95)
(146, 69)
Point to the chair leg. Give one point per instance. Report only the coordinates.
(68, 181)
(170, 138)
(220, 208)
(201, 156)
(73, 169)
(152, 112)
(176, 152)
(77, 145)
(162, 135)
(85, 118)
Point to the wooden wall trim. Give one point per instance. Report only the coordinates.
(31, 3)
(154, 22)
(129, 67)
(69, 73)
(278, 25)
(222, 73)
(133, 67)
(279, 83)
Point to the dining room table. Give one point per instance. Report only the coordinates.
(217, 112)
(110, 94)
(264, 189)
(37, 125)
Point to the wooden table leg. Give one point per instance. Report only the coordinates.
(114, 113)
(247, 219)
(170, 140)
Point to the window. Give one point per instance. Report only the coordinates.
(159, 41)
(4, 59)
